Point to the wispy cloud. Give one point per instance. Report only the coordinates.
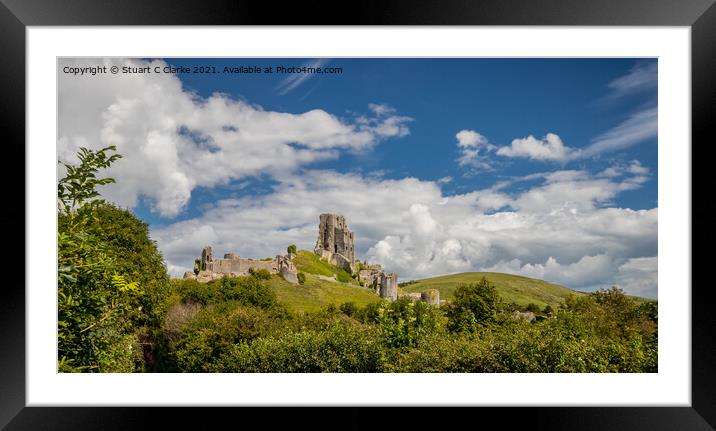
(642, 77)
(296, 79)
(639, 127)
(641, 80)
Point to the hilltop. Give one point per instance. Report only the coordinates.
(511, 288)
(320, 289)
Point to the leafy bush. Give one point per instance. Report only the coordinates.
(349, 308)
(339, 348)
(98, 302)
(134, 255)
(248, 291)
(213, 330)
(292, 249)
(261, 274)
(301, 278)
(404, 322)
(473, 305)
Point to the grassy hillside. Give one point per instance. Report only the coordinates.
(308, 262)
(315, 294)
(512, 288)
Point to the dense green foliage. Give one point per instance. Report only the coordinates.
(602, 332)
(119, 312)
(474, 305)
(111, 277)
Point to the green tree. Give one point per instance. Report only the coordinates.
(474, 305)
(301, 278)
(291, 249)
(404, 322)
(96, 302)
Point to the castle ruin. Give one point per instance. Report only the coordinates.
(335, 244)
(206, 268)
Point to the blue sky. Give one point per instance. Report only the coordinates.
(475, 150)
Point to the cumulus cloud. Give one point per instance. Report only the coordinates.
(550, 148)
(639, 127)
(174, 141)
(638, 276)
(566, 235)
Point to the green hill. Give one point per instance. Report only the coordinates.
(511, 288)
(308, 262)
(315, 294)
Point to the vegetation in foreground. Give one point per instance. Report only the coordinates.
(119, 312)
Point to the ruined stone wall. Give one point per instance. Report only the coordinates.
(431, 296)
(389, 286)
(269, 265)
(232, 264)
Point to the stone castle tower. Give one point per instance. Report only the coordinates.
(335, 241)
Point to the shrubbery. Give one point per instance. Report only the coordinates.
(349, 308)
(261, 274)
(473, 305)
(103, 294)
(339, 348)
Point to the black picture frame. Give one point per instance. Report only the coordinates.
(16, 15)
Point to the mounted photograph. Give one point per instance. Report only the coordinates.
(357, 215)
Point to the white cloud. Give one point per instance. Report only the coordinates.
(470, 144)
(587, 271)
(642, 77)
(445, 180)
(409, 226)
(638, 276)
(174, 141)
(637, 128)
(550, 148)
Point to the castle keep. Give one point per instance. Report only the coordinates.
(335, 242)
(335, 245)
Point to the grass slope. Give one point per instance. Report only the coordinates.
(310, 263)
(315, 294)
(511, 288)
